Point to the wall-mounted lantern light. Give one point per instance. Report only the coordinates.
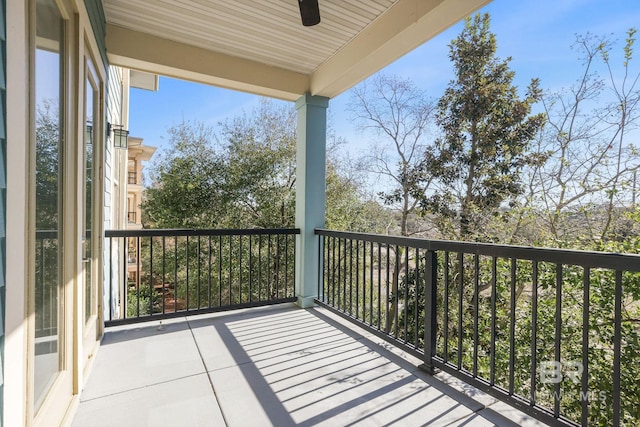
(120, 135)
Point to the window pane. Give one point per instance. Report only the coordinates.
(88, 199)
(48, 187)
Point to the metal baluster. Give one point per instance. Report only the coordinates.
(209, 275)
(430, 311)
(446, 307)
(415, 299)
(379, 282)
(558, 337)
(199, 268)
(586, 282)
(259, 267)
(240, 267)
(187, 284)
(512, 327)
(396, 281)
(406, 293)
(220, 284)
(617, 348)
(460, 301)
(164, 260)
(175, 273)
(351, 277)
(250, 288)
(138, 276)
(534, 330)
(494, 284)
(230, 268)
(476, 309)
(357, 310)
(110, 278)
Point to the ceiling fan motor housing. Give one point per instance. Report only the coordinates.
(309, 12)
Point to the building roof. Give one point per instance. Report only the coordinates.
(136, 148)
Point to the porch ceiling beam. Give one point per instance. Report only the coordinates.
(407, 25)
(141, 51)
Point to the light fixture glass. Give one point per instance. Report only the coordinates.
(88, 133)
(121, 138)
(120, 135)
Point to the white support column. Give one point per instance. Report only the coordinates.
(310, 192)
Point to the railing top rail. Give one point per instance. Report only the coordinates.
(589, 259)
(200, 232)
(46, 234)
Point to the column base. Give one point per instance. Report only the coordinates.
(305, 302)
(429, 369)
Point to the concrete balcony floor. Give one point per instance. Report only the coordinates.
(272, 366)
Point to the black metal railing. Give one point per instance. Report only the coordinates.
(47, 279)
(164, 273)
(553, 332)
(132, 177)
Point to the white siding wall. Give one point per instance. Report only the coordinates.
(114, 204)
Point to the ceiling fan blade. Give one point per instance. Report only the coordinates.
(309, 12)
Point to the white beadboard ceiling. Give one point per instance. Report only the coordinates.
(268, 37)
(267, 31)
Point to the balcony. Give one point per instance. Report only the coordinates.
(270, 366)
(405, 330)
(131, 217)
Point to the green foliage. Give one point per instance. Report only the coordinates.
(189, 179)
(487, 130)
(47, 245)
(244, 177)
(473, 293)
(195, 272)
(348, 208)
(138, 301)
(260, 152)
(48, 146)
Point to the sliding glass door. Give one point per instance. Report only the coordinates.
(65, 203)
(89, 206)
(49, 195)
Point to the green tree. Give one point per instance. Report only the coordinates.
(487, 131)
(47, 165)
(348, 206)
(188, 181)
(260, 152)
(244, 177)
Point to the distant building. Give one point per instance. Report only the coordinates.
(137, 153)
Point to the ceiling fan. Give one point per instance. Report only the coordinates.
(309, 12)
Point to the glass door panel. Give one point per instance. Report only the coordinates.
(88, 201)
(93, 140)
(49, 137)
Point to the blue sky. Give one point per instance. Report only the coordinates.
(537, 34)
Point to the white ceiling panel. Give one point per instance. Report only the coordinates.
(269, 33)
(265, 31)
